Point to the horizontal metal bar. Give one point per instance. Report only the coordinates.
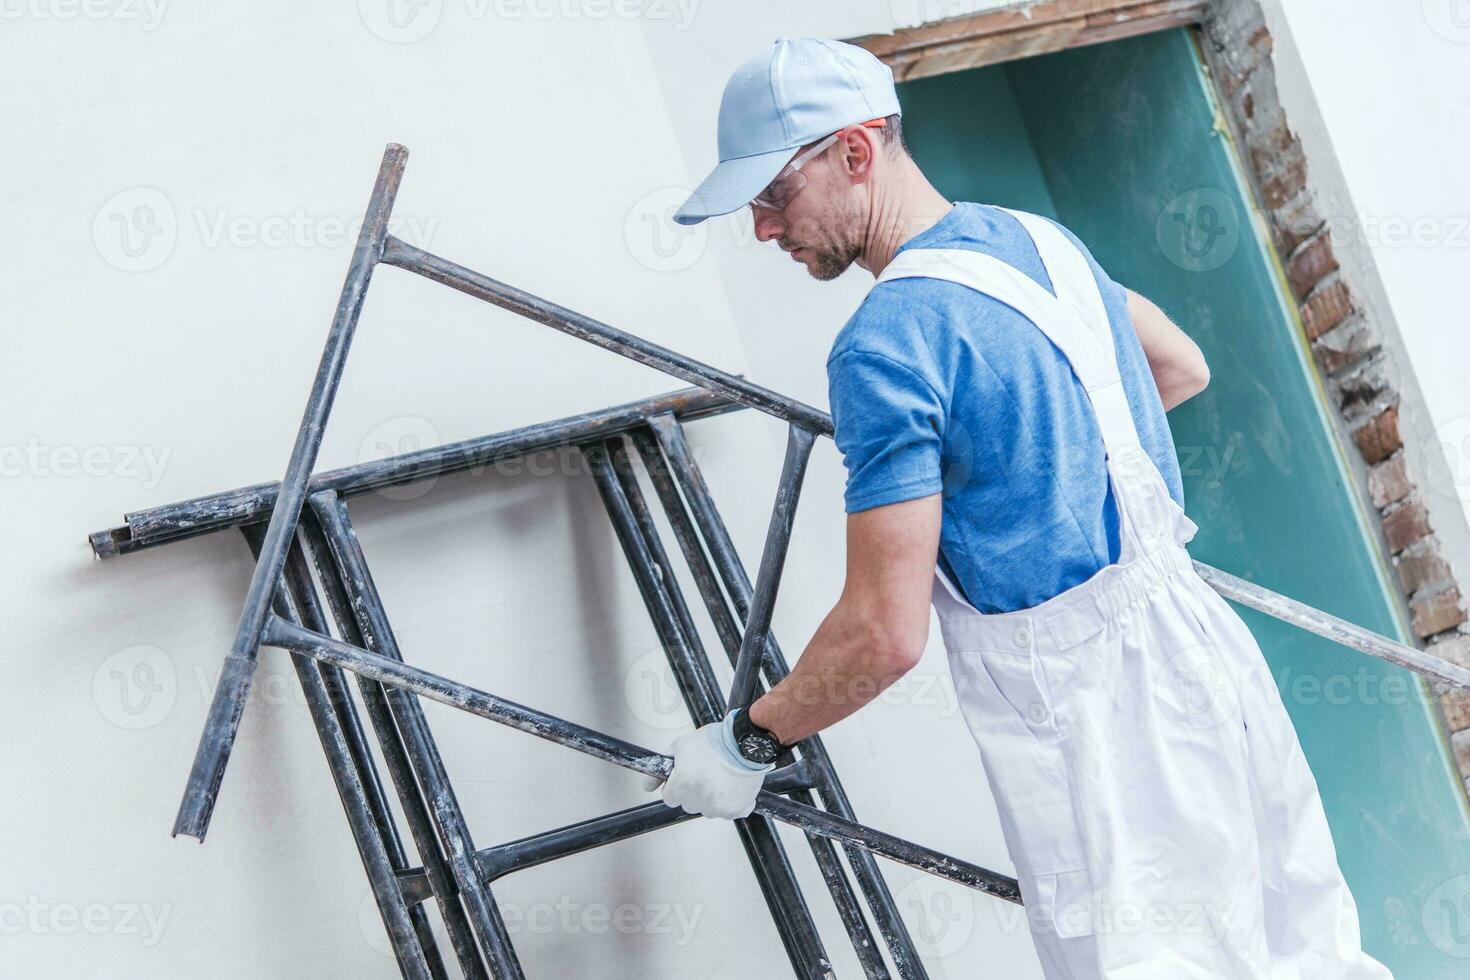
(289, 636)
(246, 505)
(472, 283)
(528, 852)
(1339, 631)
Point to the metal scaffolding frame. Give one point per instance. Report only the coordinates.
(302, 523)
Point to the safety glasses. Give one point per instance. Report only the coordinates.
(790, 182)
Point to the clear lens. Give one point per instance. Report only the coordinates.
(779, 192)
(790, 181)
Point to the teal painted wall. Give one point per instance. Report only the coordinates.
(1119, 142)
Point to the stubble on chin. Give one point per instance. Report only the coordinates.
(829, 264)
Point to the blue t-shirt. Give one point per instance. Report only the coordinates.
(937, 388)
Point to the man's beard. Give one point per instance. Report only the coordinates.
(830, 259)
(829, 263)
(840, 249)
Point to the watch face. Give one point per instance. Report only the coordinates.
(757, 748)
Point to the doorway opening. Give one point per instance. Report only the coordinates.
(1123, 143)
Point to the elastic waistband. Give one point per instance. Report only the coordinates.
(1063, 620)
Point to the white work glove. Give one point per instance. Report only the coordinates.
(710, 776)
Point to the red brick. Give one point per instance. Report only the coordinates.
(1406, 525)
(1389, 481)
(1271, 148)
(1310, 264)
(1364, 390)
(1420, 567)
(1325, 307)
(1344, 344)
(1379, 438)
(1437, 613)
(1261, 44)
(1294, 224)
(1289, 181)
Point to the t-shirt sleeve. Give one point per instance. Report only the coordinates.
(888, 423)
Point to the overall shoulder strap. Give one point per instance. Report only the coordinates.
(1087, 333)
(981, 272)
(1071, 275)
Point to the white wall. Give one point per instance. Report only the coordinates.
(234, 145)
(1381, 100)
(544, 151)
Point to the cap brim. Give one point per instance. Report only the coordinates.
(732, 185)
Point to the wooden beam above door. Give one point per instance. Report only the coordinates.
(995, 36)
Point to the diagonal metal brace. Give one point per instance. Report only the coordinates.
(395, 673)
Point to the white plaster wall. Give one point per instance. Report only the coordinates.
(178, 182)
(1380, 96)
(545, 151)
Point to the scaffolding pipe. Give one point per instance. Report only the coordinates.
(218, 737)
(609, 748)
(248, 505)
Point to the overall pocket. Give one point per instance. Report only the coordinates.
(1009, 710)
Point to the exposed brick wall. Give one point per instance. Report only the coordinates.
(1344, 339)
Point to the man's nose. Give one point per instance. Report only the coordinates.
(768, 224)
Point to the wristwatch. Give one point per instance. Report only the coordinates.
(754, 742)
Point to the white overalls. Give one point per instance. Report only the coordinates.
(1153, 795)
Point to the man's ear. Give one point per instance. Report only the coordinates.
(858, 149)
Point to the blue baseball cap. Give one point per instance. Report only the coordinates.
(793, 93)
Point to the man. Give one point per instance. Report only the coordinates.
(999, 402)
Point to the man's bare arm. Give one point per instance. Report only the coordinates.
(877, 630)
(1175, 361)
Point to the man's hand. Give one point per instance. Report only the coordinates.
(710, 776)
